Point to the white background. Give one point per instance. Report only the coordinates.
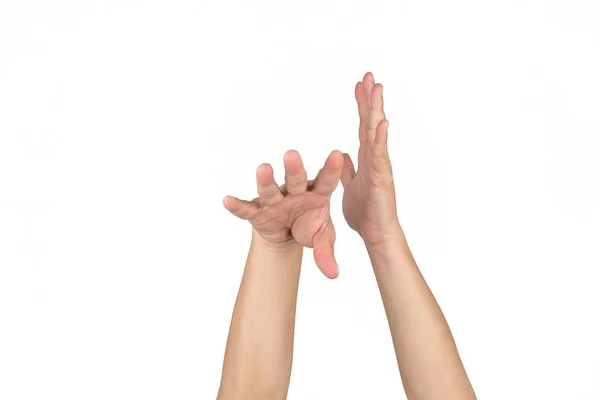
(124, 123)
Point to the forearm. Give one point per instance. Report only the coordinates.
(428, 360)
(258, 356)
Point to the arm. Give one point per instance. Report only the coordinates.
(258, 356)
(427, 357)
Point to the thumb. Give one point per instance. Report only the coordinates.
(348, 171)
(322, 245)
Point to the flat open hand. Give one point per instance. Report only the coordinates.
(369, 201)
(297, 212)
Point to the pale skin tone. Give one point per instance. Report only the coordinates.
(258, 356)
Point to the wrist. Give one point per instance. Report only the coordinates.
(391, 241)
(288, 247)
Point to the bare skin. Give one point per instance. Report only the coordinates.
(258, 356)
(297, 212)
(427, 357)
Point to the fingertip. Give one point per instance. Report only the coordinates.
(331, 271)
(361, 93)
(381, 132)
(290, 155)
(292, 162)
(378, 87)
(262, 167)
(337, 153)
(334, 273)
(337, 159)
(229, 203)
(326, 263)
(264, 172)
(347, 163)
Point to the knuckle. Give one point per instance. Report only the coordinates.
(271, 194)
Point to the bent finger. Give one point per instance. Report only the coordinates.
(295, 174)
(268, 191)
(328, 177)
(240, 208)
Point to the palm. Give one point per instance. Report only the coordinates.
(295, 218)
(297, 211)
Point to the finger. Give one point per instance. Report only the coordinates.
(379, 147)
(363, 111)
(267, 188)
(368, 82)
(323, 244)
(348, 171)
(295, 174)
(376, 114)
(328, 177)
(240, 208)
(381, 160)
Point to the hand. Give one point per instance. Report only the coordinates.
(297, 212)
(369, 201)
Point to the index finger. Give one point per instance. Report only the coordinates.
(328, 177)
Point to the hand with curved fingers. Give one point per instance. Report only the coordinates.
(296, 212)
(369, 201)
